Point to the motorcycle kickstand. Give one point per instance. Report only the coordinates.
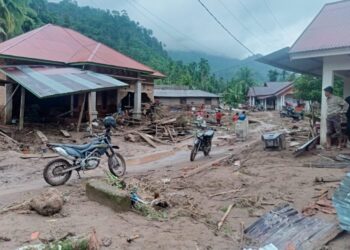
(79, 177)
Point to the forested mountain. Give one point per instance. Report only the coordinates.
(118, 31)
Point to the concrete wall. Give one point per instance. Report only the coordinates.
(175, 101)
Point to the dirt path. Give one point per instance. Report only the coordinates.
(272, 177)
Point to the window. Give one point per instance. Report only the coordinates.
(207, 101)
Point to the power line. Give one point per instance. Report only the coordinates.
(223, 26)
(178, 31)
(241, 23)
(253, 17)
(273, 16)
(156, 24)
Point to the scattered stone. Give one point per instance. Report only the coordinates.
(47, 203)
(106, 242)
(4, 238)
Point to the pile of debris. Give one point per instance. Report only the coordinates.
(162, 131)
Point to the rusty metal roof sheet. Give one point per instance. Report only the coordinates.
(285, 226)
(329, 29)
(57, 44)
(44, 81)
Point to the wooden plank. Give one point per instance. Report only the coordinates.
(65, 133)
(31, 156)
(22, 106)
(81, 113)
(42, 137)
(205, 166)
(169, 132)
(10, 98)
(10, 138)
(146, 139)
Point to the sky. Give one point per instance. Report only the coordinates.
(263, 26)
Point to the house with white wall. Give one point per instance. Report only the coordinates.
(323, 49)
(272, 95)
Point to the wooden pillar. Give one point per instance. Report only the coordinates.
(265, 104)
(21, 111)
(8, 103)
(327, 80)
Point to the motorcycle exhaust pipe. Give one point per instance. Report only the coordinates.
(63, 153)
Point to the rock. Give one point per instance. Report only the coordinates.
(47, 203)
(106, 242)
(130, 137)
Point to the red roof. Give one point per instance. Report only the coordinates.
(329, 30)
(63, 45)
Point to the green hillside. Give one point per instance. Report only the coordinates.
(115, 29)
(224, 66)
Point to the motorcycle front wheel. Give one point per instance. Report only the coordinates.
(116, 164)
(194, 152)
(52, 172)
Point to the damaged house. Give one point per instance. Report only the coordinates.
(54, 71)
(272, 95)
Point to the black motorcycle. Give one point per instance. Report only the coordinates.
(202, 142)
(84, 157)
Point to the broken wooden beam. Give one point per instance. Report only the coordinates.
(65, 133)
(8, 137)
(221, 222)
(146, 139)
(31, 156)
(81, 113)
(42, 137)
(325, 179)
(326, 165)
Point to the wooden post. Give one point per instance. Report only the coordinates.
(21, 111)
(90, 105)
(71, 105)
(81, 112)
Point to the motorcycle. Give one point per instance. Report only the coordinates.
(84, 157)
(202, 142)
(288, 111)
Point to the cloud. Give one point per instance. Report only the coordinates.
(262, 25)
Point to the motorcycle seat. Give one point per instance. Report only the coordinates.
(73, 146)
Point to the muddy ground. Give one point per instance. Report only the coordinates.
(262, 181)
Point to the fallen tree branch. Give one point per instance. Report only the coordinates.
(221, 222)
(227, 192)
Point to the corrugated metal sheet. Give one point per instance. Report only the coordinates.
(63, 45)
(284, 226)
(52, 81)
(329, 29)
(341, 202)
(183, 93)
(271, 89)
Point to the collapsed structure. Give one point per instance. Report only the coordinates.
(50, 71)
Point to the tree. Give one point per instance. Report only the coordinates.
(273, 75)
(309, 88)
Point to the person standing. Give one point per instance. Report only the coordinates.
(336, 107)
(218, 116)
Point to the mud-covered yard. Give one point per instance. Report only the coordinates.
(256, 181)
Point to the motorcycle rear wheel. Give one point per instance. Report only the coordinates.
(117, 164)
(51, 172)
